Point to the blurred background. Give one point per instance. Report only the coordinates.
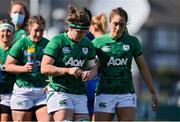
(155, 22)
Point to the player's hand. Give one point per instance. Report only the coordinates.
(87, 75)
(29, 66)
(76, 71)
(155, 103)
(45, 89)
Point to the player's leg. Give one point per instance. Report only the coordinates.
(40, 106)
(4, 117)
(101, 116)
(126, 113)
(60, 106)
(80, 108)
(21, 104)
(63, 114)
(42, 114)
(21, 115)
(5, 113)
(5, 110)
(104, 107)
(126, 108)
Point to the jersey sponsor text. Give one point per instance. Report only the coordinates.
(74, 62)
(117, 62)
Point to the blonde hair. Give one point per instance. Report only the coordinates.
(100, 21)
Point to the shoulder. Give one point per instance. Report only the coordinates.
(44, 39)
(87, 42)
(20, 45)
(22, 41)
(58, 38)
(101, 40)
(131, 37)
(56, 41)
(21, 31)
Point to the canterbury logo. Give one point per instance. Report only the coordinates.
(63, 102)
(102, 105)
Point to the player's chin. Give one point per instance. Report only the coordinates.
(37, 39)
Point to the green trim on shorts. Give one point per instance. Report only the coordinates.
(84, 120)
(50, 95)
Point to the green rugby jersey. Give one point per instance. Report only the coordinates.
(19, 52)
(19, 34)
(6, 79)
(68, 53)
(115, 63)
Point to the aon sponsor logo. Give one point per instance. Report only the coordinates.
(74, 62)
(117, 62)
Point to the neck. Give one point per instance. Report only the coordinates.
(69, 34)
(17, 27)
(5, 45)
(71, 37)
(117, 36)
(97, 34)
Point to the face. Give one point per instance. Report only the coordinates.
(77, 34)
(117, 26)
(6, 35)
(36, 32)
(17, 14)
(17, 9)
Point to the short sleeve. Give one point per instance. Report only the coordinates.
(137, 50)
(16, 49)
(52, 48)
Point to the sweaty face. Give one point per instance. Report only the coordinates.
(36, 32)
(6, 35)
(117, 26)
(77, 34)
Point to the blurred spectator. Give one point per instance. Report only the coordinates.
(19, 15)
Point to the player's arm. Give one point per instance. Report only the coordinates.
(48, 68)
(143, 68)
(92, 70)
(12, 67)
